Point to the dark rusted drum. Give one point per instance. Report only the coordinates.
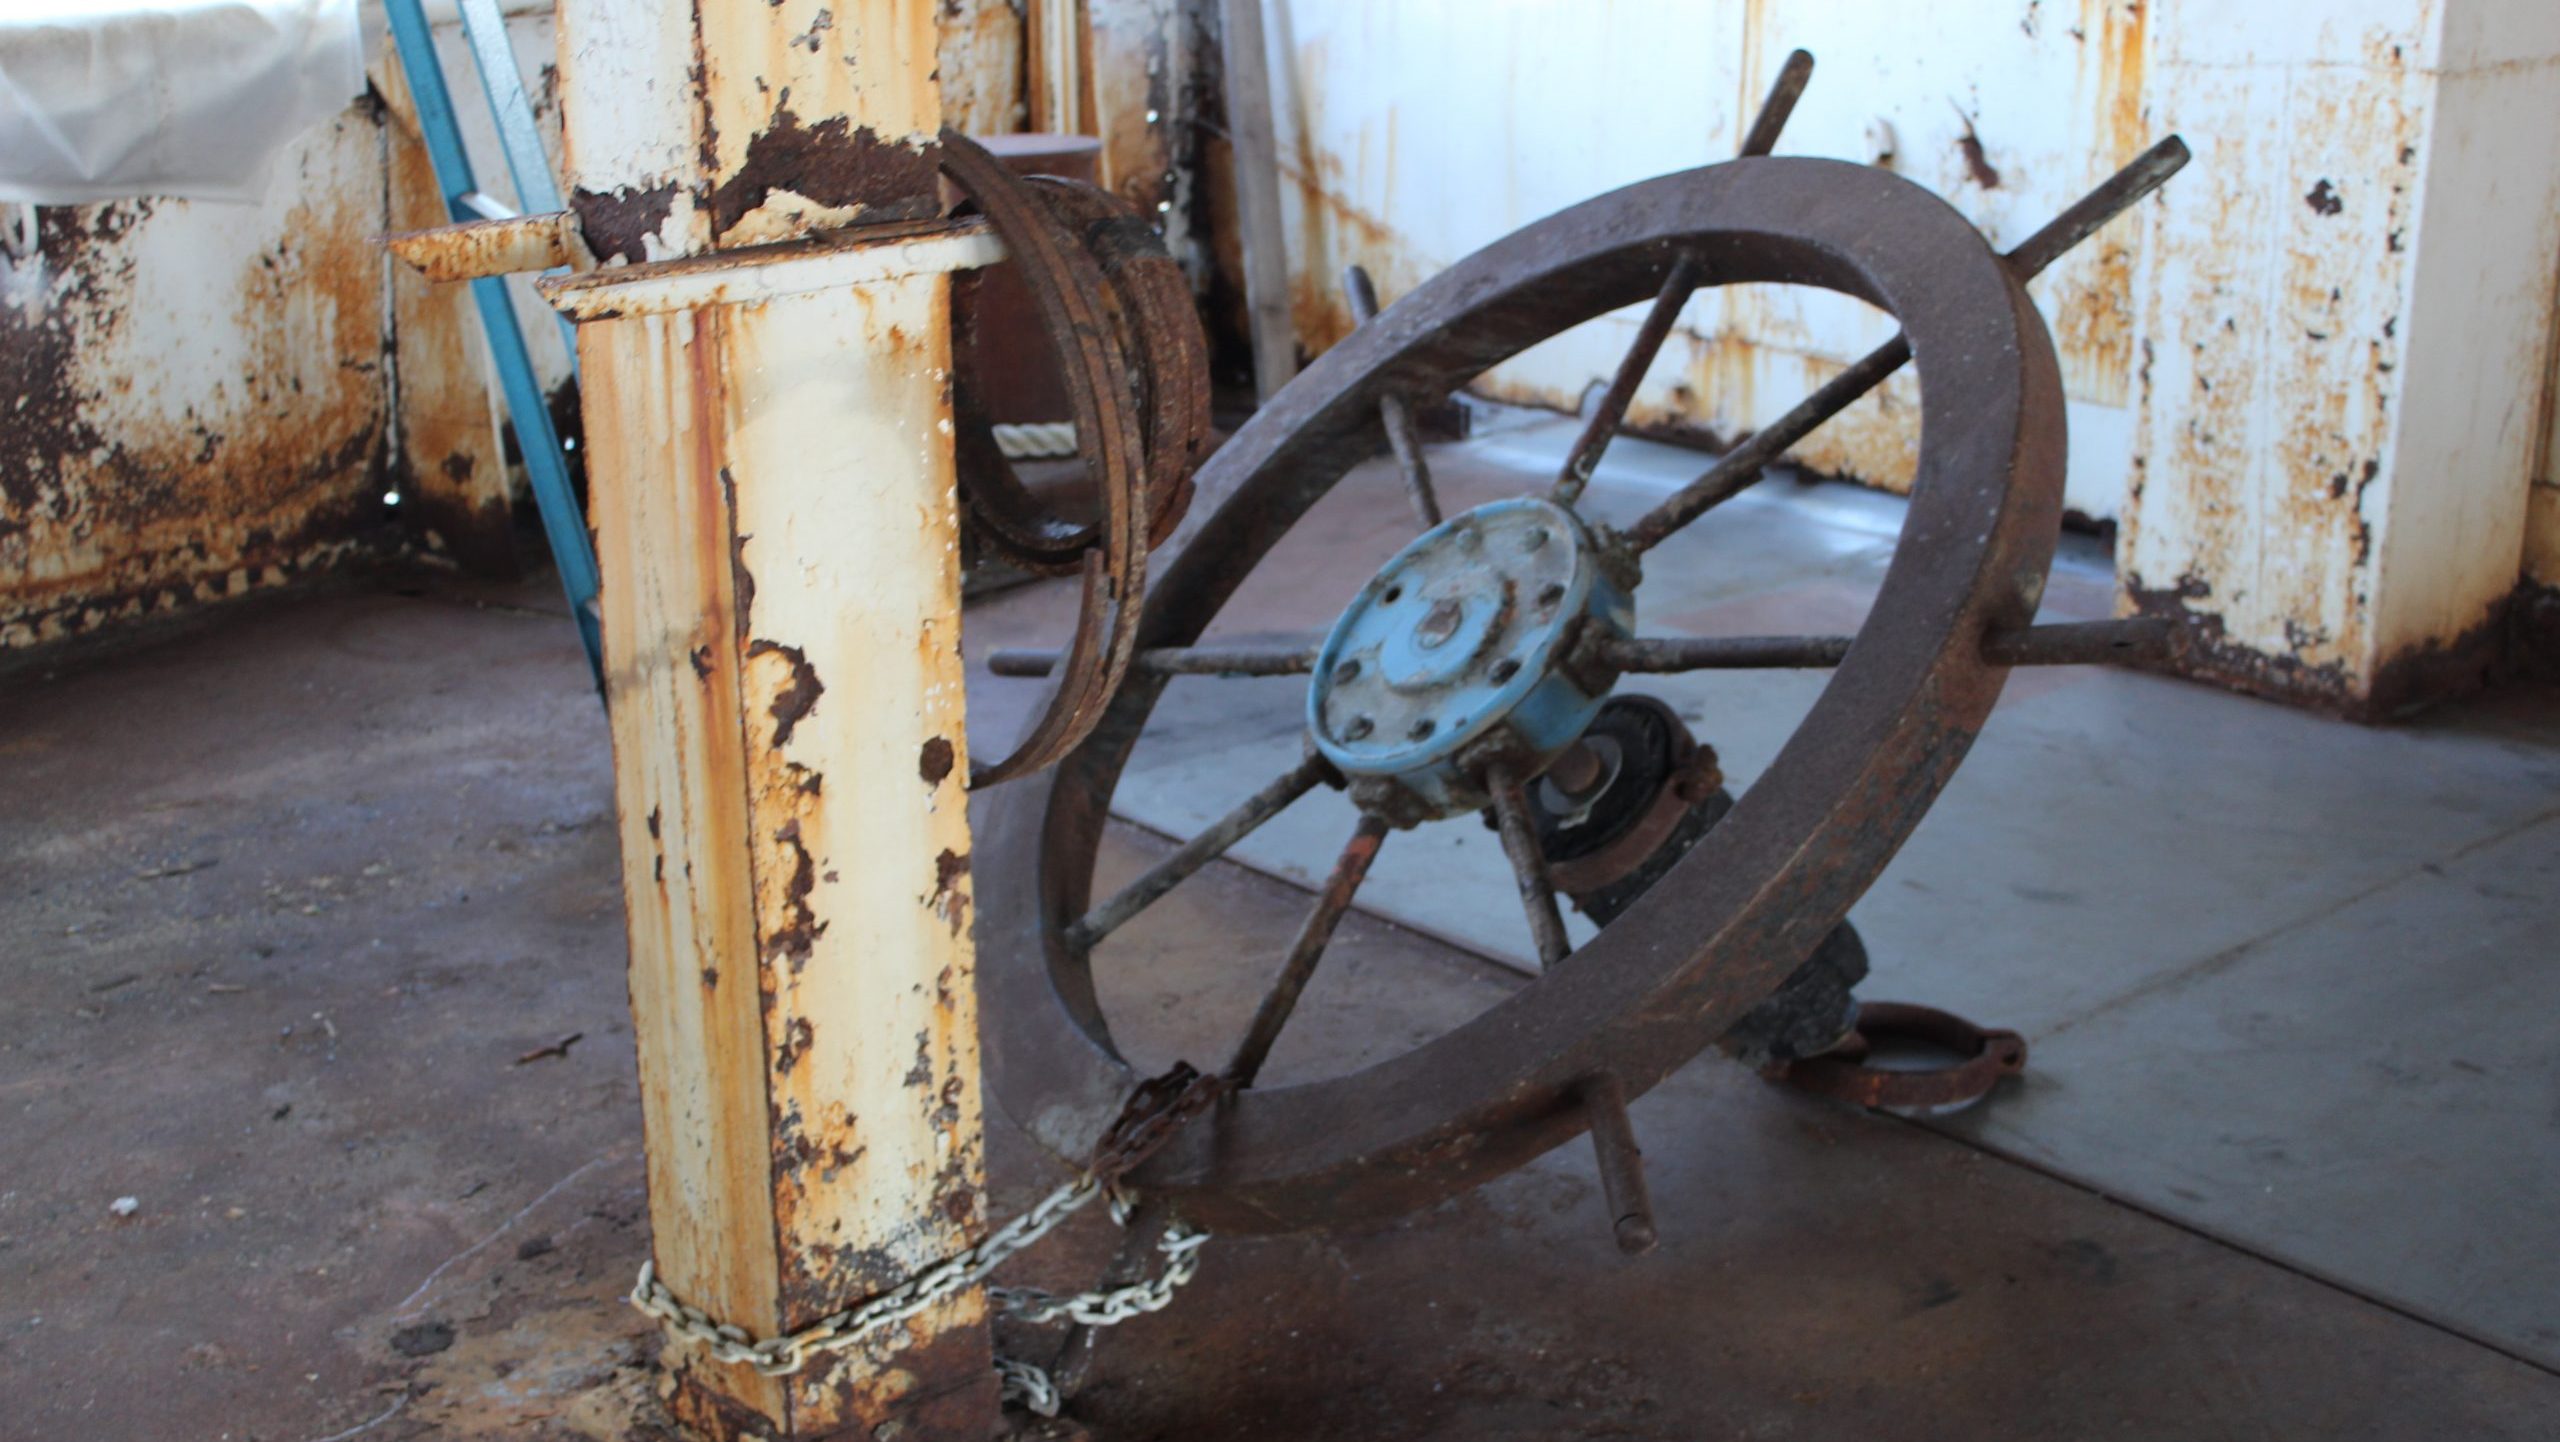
(1742, 909)
(1117, 313)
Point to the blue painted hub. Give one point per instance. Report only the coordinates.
(1458, 635)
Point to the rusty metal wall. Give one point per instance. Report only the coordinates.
(1413, 133)
(2345, 336)
(2308, 382)
(193, 393)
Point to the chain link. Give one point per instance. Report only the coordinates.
(1027, 1386)
(1181, 1246)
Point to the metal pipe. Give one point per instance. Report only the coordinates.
(1622, 1183)
(1528, 865)
(2083, 643)
(1683, 278)
(1199, 851)
(1281, 1001)
(1792, 78)
(1393, 410)
(1743, 464)
(1655, 655)
(1172, 661)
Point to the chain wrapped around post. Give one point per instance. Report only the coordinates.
(1155, 1111)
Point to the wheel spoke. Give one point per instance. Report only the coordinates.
(1743, 464)
(1394, 412)
(1528, 865)
(1684, 279)
(1781, 103)
(1199, 851)
(1685, 275)
(1174, 661)
(2084, 643)
(1658, 655)
(1281, 1000)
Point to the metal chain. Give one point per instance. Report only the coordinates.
(1153, 1113)
(1028, 1386)
(1181, 1246)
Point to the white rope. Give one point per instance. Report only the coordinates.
(1041, 440)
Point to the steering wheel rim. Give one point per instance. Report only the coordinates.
(1740, 911)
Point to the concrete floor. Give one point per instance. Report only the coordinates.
(292, 907)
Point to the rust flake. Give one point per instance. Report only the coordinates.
(936, 760)
(831, 164)
(799, 693)
(618, 225)
(950, 899)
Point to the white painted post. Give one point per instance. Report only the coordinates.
(768, 434)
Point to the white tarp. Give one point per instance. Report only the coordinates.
(101, 99)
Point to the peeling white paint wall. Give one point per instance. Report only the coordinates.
(2308, 380)
(2347, 328)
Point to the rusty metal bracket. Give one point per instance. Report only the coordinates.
(504, 245)
(1135, 366)
(1979, 1057)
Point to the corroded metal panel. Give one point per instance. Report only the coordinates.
(1412, 134)
(446, 461)
(2269, 411)
(769, 433)
(193, 393)
(981, 60)
(2348, 313)
(671, 628)
(798, 115)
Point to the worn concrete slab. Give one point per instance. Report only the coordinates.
(2369, 1092)
(287, 904)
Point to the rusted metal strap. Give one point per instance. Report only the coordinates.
(1847, 1072)
(1118, 311)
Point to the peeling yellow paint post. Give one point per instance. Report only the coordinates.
(769, 437)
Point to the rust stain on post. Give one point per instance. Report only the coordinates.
(815, 1137)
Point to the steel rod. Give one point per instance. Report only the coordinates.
(1742, 465)
(1173, 661)
(1683, 281)
(1394, 412)
(1677, 286)
(1622, 1183)
(1199, 851)
(1780, 104)
(1656, 655)
(1528, 865)
(1281, 1001)
(2116, 194)
(2082, 643)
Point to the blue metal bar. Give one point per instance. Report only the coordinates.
(545, 464)
(519, 138)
